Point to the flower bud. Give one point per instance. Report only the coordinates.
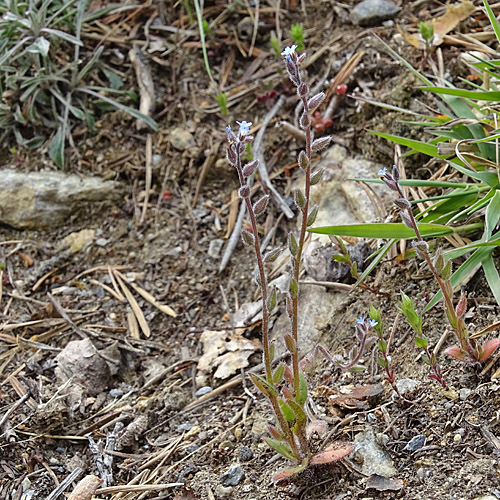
(299, 199)
(250, 168)
(292, 245)
(311, 218)
(293, 71)
(287, 392)
(275, 433)
(446, 272)
(406, 220)
(321, 143)
(421, 248)
(231, 137)
(303, 89)
(461, 306)
(290, 344)
(317, 175)
(316, 100)
(402, 203)
(231, 155)
(271, 301)
(294, 288)
(305, 120)
(395, 173)
(272, 255)
(303, 160)
(439, 261)
(241, 147)
(301, 58)
(244, 191)
(247, 237)
(247, 139)
(260, 205)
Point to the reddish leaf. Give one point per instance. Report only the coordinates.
(332, 453)
(489, 348)
(456, 352)
(281, 477)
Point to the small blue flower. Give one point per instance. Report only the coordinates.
(228, 129)
(244, 127)
(373, 323)
(289, 51)
(360, 321)
(382, 172)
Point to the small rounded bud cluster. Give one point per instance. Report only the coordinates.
(244, 191)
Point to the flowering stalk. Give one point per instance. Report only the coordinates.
(267, 384)
(467, 349)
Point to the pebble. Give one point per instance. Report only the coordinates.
(185, 427)
(214, 248)
(245, 453)
(181, 139)
(415, 443)
(232, 476)
(407, 385)
(464, 393)
(222, 492)
(373, 12)
(203, 390)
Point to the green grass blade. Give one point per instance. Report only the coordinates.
(469, 94)
(389, 231)
(379, 255)
(493, 20)
(492, 277)
(420, 147)
(199, 16)
(492, 215)
(421, 183)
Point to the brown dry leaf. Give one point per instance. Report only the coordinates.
(442, 25)
(227, 355)
(354, 398)
(381, 483)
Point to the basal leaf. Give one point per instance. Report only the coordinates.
(418, 146)
(281, 447)
(492, 276)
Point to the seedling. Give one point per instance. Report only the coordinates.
(285, 387)
(298, 36)
(222, 102)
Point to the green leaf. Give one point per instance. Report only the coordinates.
(382, 230)
(492, 215)
(421, 342)
(280, 447)
(56, 148)
(278, 374)
(301, 397)
(63, 35)
(297, 409)
(287, 411)
(375, 259)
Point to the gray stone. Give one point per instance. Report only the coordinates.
(203, 390)
(415, 443)
(232, 476)
(407, 385)
(181, 139)
(42, 200)
(245, 453)
(214, 248)
(373, 12)
(259, 427)
(465, 393)
(373, 458)
(80, 362)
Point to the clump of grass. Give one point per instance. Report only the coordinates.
(44, 93)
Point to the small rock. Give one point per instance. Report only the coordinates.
(486, 497)
(259, 427)
(102, 242)
(185, 427)
(81, 362)
(181, 139)
(223, 492)
(464, 393)
(245, 453)
(232, 476)
(407, 385)
(41, 200)
(203, 390)
(214, 248)
(375, 460)
(373, 12)
(415, 443)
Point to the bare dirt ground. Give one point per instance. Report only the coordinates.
(139, 385)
